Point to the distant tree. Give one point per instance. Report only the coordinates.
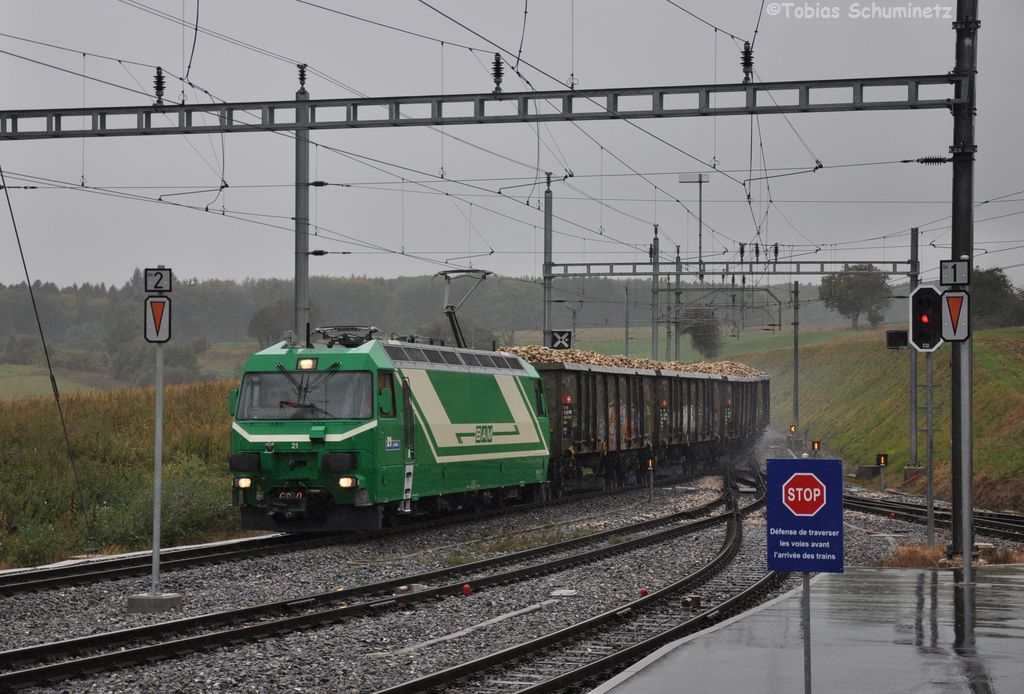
(704, 330)
(998, 303)
(852, 294)
(268, 324)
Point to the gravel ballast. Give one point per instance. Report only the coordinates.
(365, 654)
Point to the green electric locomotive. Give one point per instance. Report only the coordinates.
(349, 434)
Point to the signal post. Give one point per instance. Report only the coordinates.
(805, 526)
(157, 326)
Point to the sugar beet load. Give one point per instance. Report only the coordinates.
(352, 434)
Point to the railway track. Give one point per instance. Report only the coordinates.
(567, 659)
(52, 662)
(997, 523)
(93, 571)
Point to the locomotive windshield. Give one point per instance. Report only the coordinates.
(306, 395)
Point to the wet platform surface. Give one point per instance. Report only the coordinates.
(872, 630)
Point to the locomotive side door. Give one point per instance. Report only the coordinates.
(389, 426)
(408, 449)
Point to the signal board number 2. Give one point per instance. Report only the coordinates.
(158, 279)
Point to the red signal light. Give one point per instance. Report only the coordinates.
(924, 318)
(566, 399)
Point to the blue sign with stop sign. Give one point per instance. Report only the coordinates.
(805, 515)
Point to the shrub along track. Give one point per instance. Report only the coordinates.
(60, 660)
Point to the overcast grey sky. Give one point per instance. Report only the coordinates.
(84, 234)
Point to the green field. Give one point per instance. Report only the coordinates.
(223, 360)
(18, 380)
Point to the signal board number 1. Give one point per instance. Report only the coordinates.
(953, 272)
(158, 279)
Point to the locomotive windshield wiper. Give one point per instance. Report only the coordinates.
(304, 406)
(306, 384)
(287, 374)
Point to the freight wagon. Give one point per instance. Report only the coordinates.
(610, 423)
(359, 432)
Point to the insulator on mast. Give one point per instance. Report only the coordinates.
(158, 85)
(497, 71)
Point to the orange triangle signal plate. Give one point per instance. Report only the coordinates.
(955, 304)
(157, 309)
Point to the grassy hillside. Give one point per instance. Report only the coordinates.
(610, 341)
(854, 396)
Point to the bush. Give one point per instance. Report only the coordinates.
(112, 436)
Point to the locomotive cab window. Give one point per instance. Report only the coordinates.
(539, 395)
(306, 395)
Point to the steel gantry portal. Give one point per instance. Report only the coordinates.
(303, 114)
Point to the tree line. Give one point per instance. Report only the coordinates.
(854, 294)
(98, 327)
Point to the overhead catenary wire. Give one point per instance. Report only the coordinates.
(701, 19)
(402, 181)
(223, 184)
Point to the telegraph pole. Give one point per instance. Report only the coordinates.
(301, 210)
(963, 150)
(796, 357)
(655, 253)
(915, 269)
(675, 315)
(626, 339)
(548, 232)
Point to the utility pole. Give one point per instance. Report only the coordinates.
(700, 180)
(796, 357)
(929, 360)
(655, 253)
(668, 325)
(915, 269)
(548, 231)
(675, 314)
(963, 150)
(301, 211)
(626, 339)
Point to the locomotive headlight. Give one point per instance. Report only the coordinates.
(347, 482)
(243, 482)
(306, 364)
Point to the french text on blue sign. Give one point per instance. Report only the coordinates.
(805, 515)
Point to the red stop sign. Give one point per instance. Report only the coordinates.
(803, 494)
